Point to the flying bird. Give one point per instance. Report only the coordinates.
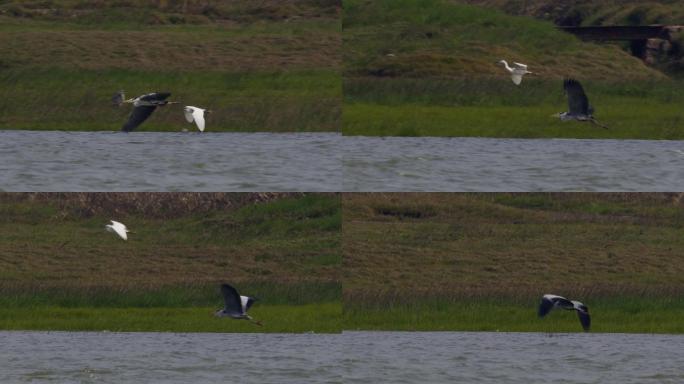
(236, 306)
(578, 104)
(118, 228)
(196, 115)
(550, 302)
(143, 106)
(517, 71)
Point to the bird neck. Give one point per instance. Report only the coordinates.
(505, 63)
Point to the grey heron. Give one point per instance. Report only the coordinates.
(517, 71)
(196, 115)
(236, 306)
(578, 104)
(143, 107)
(118, 228)
(550, 302)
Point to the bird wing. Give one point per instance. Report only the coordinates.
(155, 96)
(519, 65)
(137, 117)
(198, 114)
(247, 302)
(578, 103)
(231, 300)
(188, 114)
(120, 229)
(545, 306)
(118, 98)
(584, 319)
(517, 78)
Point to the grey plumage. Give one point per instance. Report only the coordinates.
(579, 108)
(143, 107)
(235, 306)
(550, 302)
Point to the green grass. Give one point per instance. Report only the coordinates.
(481, 261)
(622, 314)
(319, 318)
(635, 119)
(429, 68)
(63, 99)
(283, 240)
(59, 269)
(272, 66)
(297, 307)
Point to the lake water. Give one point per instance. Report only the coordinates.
(92, 357)
(160, 161)
(351, 357)
(498, 165)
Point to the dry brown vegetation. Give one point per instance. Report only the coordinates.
(172, 11)
(400, 247)
(169, 51)
(151, 205)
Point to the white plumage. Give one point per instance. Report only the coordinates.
(517, 71)
(196, 115)
(118, 228)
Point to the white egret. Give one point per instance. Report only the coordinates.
(517, 71)
(550, 302)
(196, 115)
(118, 228)
(236, 306)
(143, 107)
(579, 108)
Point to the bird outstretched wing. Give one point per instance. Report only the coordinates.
(584, 319)
(231, 299)
(155, 96)
(137, 117)
(120, 229)
(188, 114)
(545, 307)
(198, 115)
(520, 66)
(248, 304)
(578, 103)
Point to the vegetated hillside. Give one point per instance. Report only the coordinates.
(176, 240)
(611, 12)
(390, 38)
(401, 248)
(260, 66)
(169, 11)
(591, 12)
(430, 68)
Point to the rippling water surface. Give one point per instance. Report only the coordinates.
(161, 161)
(495, 165)
(458, 357)
(93, 357)
(350, 357)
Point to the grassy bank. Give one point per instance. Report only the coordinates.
(259, 67)
(418, 260)
(620, 314)
(296, 307)
(428, 68)
(78, 100)
(61, 270)
(489, 107)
